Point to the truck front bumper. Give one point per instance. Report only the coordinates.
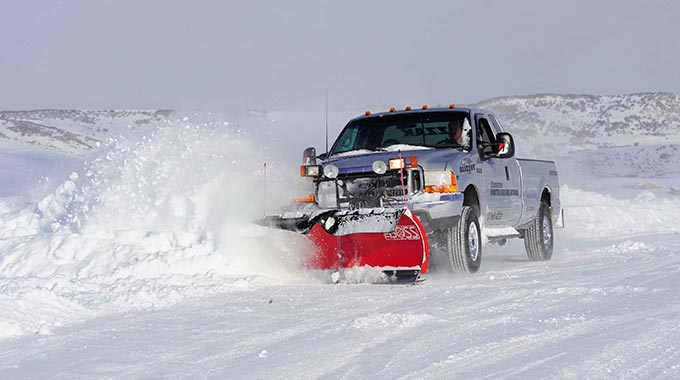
(437, 211)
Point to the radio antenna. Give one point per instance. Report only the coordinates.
(264, 190)
(326, 121)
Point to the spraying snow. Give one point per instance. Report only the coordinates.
(147, 223)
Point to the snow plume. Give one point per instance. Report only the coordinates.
(150, 221)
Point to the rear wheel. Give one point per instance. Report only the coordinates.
(538, 239)
(464, 242)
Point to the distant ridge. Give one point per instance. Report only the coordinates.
(568, 122)
(70, 131)
(542, 124)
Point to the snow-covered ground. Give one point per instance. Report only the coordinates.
(142, 263)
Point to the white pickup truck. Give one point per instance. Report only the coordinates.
(452, 168)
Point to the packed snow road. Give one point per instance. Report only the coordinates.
(608, 311)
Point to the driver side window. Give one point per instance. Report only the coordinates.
(346, 141)
(485, 135)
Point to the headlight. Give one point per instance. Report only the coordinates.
(379, 167)
(331, 171)
(404, 162)
(440, 181)
(310, 171)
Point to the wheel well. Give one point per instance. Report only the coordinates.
(471, 198)
(545, 197)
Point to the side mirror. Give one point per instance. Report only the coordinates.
(505, 145)
(309, 156)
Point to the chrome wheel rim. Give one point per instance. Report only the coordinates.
(473, 242)
(547, 233)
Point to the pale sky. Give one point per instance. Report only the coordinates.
(219, 55)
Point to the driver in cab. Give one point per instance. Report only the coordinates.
(455, 137)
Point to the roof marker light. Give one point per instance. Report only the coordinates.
(367, 113)
(452, 106)
(408, 108)
(425, 106)
(392, 109)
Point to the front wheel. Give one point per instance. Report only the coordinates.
(538, 239)
(464, 242)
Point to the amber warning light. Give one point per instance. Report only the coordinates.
(306, 199)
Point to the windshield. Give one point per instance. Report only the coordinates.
(406, 131)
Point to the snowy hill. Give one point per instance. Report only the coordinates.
(69, 131)
(544, 123)
(635, 135)
(644, 161)
(557, 123)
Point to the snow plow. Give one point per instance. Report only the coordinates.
(393, 240)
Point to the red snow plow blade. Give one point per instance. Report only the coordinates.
(391, 240)
(404, 248)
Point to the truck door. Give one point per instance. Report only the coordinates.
(513, 178)
(501, 179)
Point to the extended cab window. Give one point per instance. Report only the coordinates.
(427, 130)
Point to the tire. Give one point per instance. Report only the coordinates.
(464, 242)
(539, 238)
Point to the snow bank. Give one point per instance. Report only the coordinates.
(591, 215)
(149, 222)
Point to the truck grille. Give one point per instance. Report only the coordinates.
(368, 189)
